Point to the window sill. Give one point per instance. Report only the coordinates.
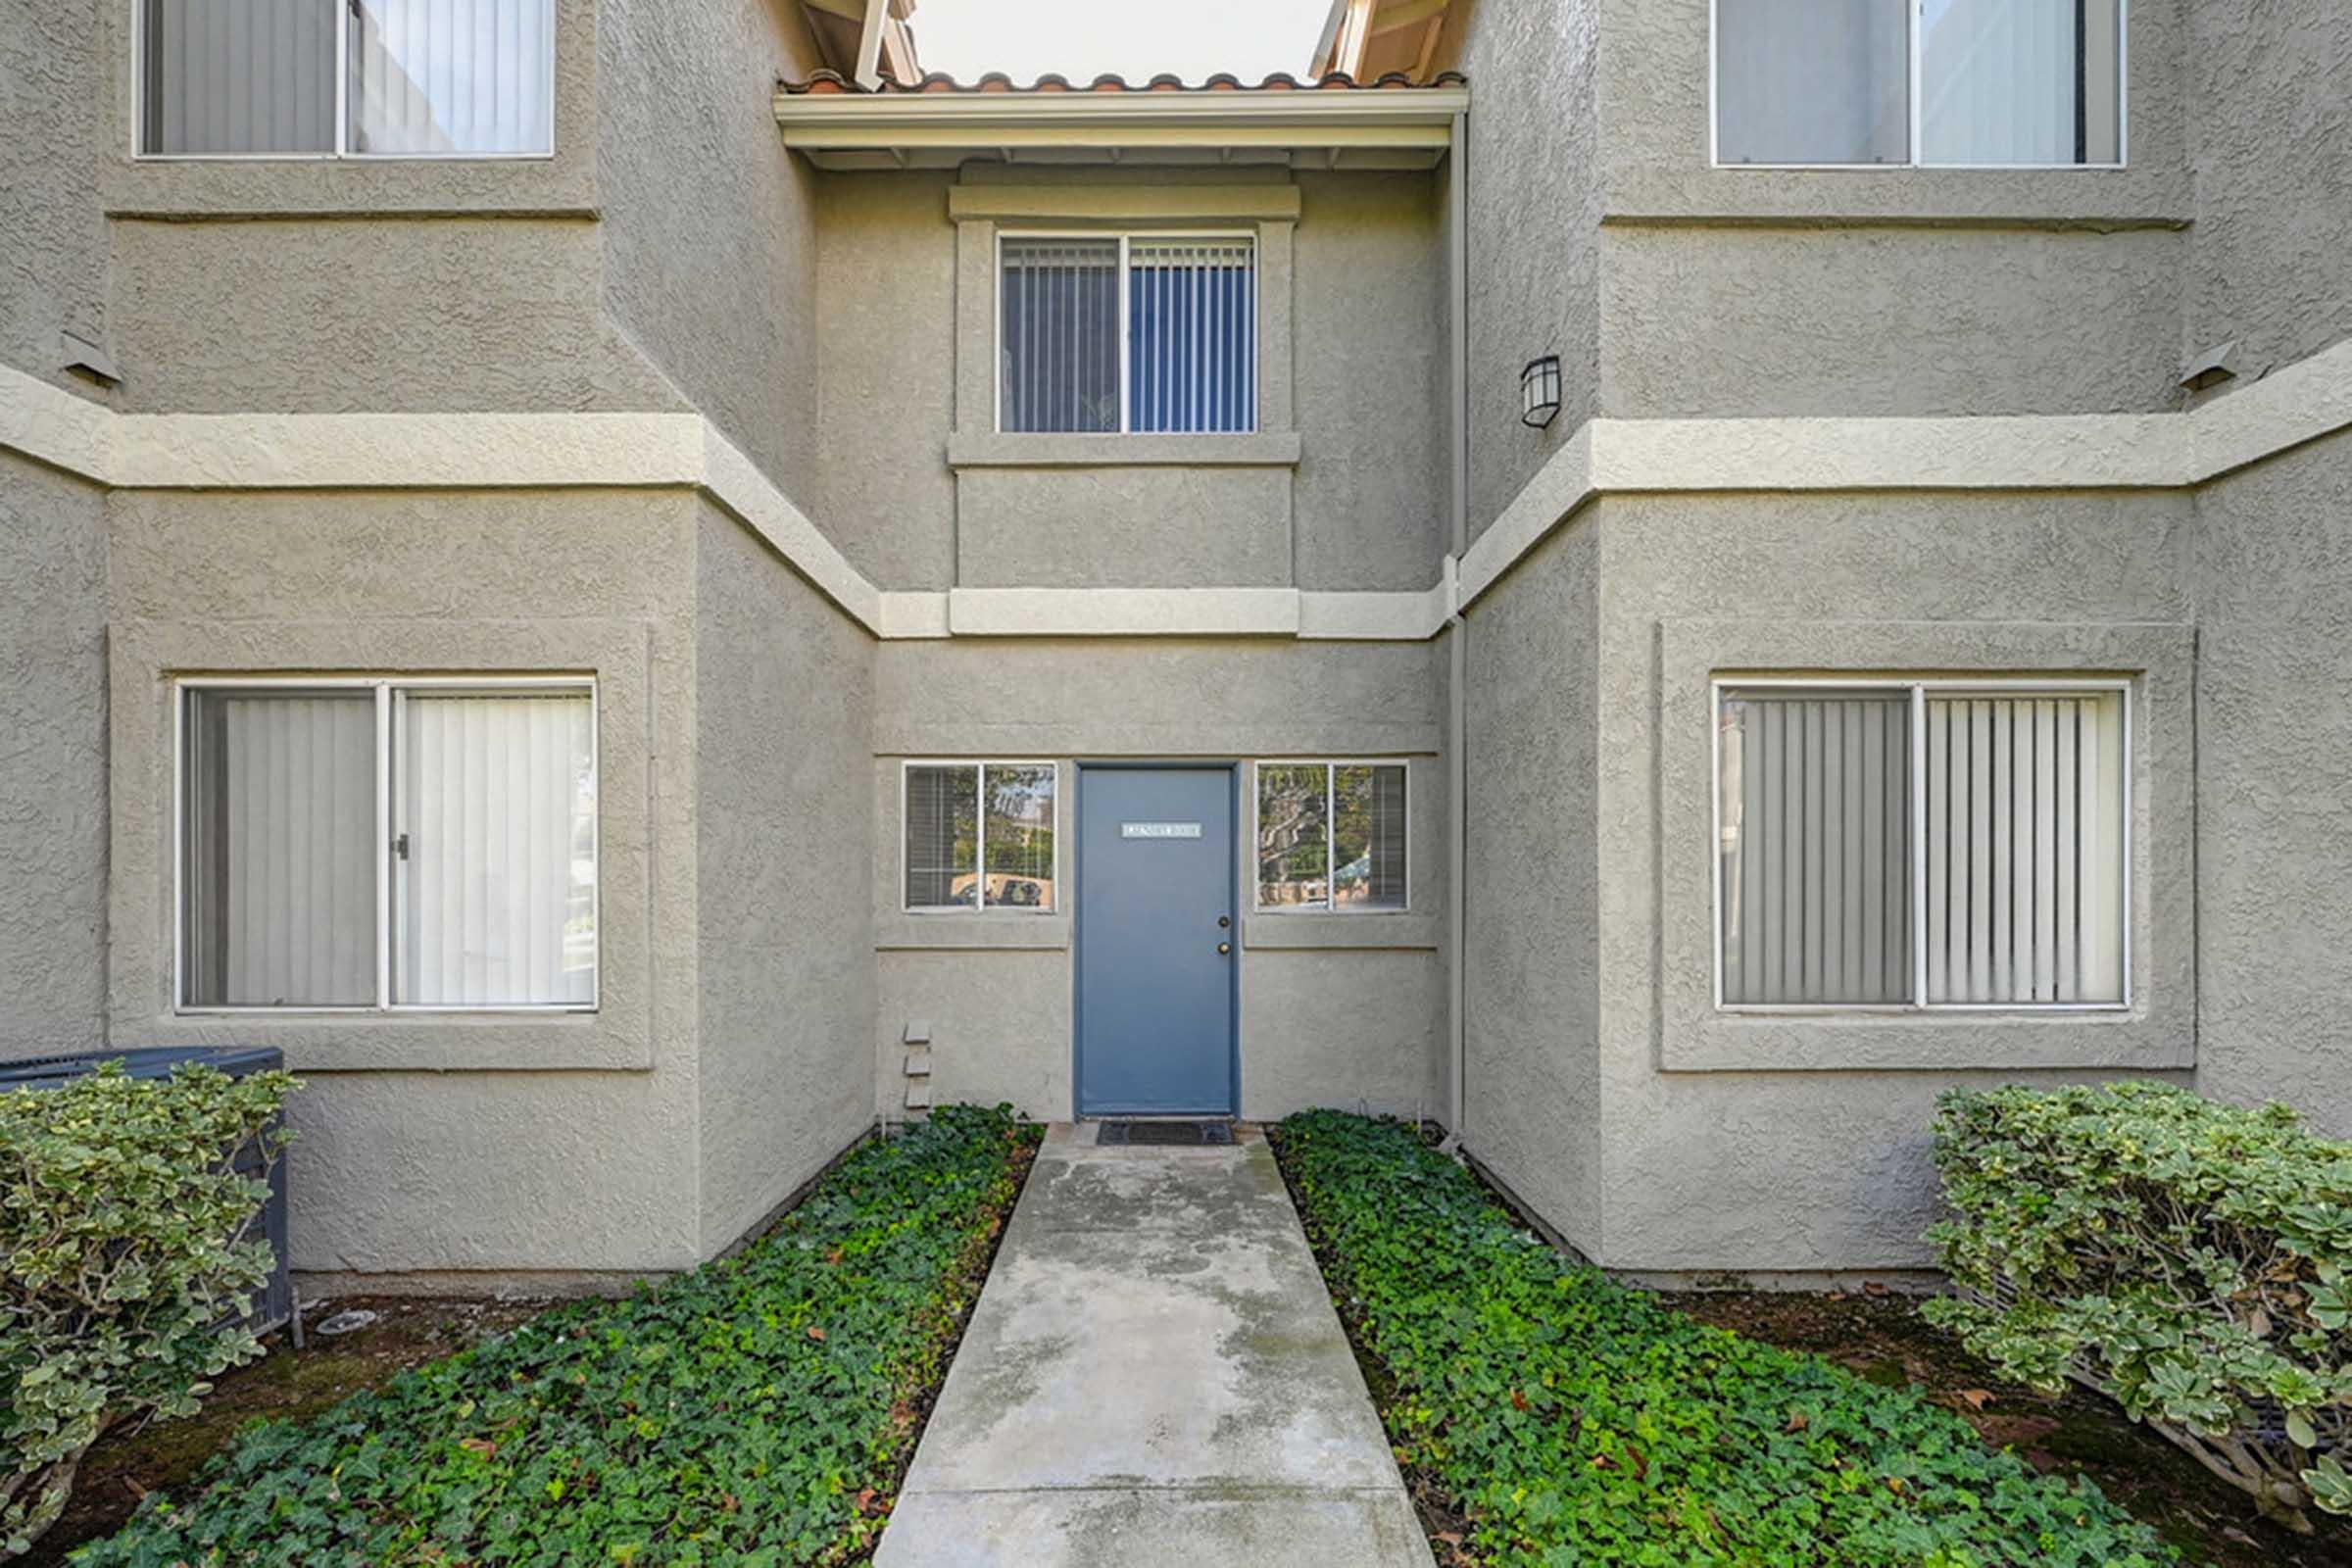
(544, 1040)
(559, 184)
(1395, 930)
(1021, 449)
(962, 931)
(1899, 195)
(1929, 1041)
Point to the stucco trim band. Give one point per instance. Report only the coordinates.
(1019, 449)
(1116, 203)
(1123, 611)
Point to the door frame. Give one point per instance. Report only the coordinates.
(1080, 768)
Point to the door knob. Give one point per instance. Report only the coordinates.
(1224, 947)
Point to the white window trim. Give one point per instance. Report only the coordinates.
(1920, 690)
(342, 152)
(983, 908)
(1331, 795)
(384, 687)
(1155, 237)
(1912, 161)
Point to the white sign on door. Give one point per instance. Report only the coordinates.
(1159, 830)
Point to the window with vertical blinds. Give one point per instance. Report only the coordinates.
(379, 844)
(1127, 333)
(1998, 82)
(978, 836)
(1331, 836)
(420, 78)
(1921, 846)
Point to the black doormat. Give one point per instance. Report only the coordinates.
(1179, 1134)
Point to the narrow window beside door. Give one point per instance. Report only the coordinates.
(978, 836)
(379, 844)
(1916, 845)
(1331, 836)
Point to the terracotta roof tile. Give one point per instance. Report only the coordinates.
(829, 81)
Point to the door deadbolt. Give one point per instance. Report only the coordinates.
(1224, 921)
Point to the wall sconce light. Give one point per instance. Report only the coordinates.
(1540, 391)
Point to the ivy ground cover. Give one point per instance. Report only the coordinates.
(1571, 1420)
(753, 1412)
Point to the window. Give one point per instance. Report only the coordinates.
(979, 835)
(387, 844)
(1921, 844)
(414, 78)
(1956, 83)
(1127, 333)
(1313, 817)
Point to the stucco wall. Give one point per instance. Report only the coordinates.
(560, 1142)
(783, 686)
(1531, 1095)
(52, 232)
(708, 244)
(2274, 705)
(1827, 1169)
(53, 760)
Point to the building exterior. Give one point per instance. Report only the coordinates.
(644, 588)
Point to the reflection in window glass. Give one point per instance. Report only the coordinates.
(1367, 837)
(1293, 848)
(943, 837)
(441, 77)
(1019, 835)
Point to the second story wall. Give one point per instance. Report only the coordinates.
(52, 227)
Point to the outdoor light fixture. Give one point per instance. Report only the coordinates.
(1540, 391)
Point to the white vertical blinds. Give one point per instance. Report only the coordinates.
(1816, 860)
(979, 835)
(451, 77)
(1975, 861)
(495, 802)
(941, 825)
(1812, 81)
(1058, 335)
(2025, 849)
(278, 836)
(1191, 335)
(237, 75)
(1999, 82)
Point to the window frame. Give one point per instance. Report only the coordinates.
(1919, 688)
(384, 687)
(1911, 160)
(342, 150)
(1125, 238)
(1330, 788)
(982, 908)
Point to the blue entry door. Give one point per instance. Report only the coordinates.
(1156, 941)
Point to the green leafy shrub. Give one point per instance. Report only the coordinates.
(749, 1413)
(125, 1262)
(1574, 1420)
(2188, 1256)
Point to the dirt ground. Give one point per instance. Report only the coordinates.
(2077, 1433)
(128, 1463)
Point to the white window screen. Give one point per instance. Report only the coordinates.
(2024, 82)
(277, 837)
(1331, 836)
(1976, 862)
(1104, 335)
(979, 835)
(451, 77)
(495, 820)
(423, 77)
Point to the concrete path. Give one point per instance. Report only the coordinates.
(1154, 1375)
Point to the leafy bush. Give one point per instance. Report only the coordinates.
(124, 1262)
(2188, 1256)
(1576, 1421)
(746, 1413)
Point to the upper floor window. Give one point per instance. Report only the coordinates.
(360, 844)
(1127, 333)
(322, 78)
(2009, 84)
(1921, 844)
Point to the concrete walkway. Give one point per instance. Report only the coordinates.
(1154, 1375)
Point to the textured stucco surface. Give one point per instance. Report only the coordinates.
(1369, 310)
(2269, 263)
(52, 232)
(782, 684)
(1361, 1028)
(998, 1018)
(52, 761)
(709, 251)
(2275, 825)
(1532, 1097)
(423, 314)
(1173, 528)
(1707, 320)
